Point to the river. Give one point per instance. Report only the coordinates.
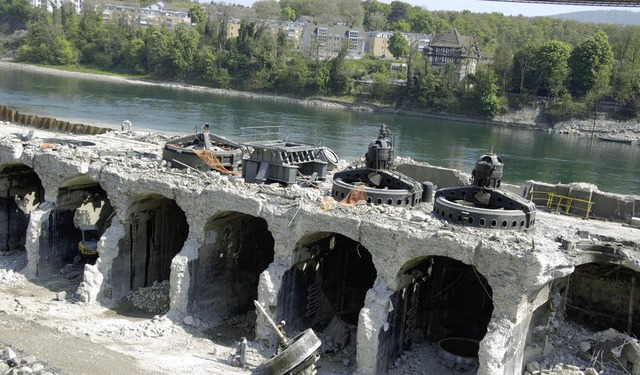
(527, 154)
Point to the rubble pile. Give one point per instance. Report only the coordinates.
(573, 349)
(11, 263)
(153, 299)
(422, 359)
(15, 362)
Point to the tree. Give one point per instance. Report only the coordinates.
(288, 14)
(351, 11)
(133, 55)
(375, 21)
(324, 11)
(422, 22)
(399, 11)
(523, 66)
(485, 92)
(198, 14)
(552, 67)
(398, 45)
(156, 53)
(400, 25)
(267, 9)
(591, 64)
(375, 15)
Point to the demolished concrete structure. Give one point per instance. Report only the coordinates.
(395, 278)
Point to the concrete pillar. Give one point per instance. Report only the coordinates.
(37, 222)
(180, 277)
(268, 288)
(373, 319)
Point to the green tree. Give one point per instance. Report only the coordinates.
(294, 76)
(301, 7)
(552, 67)
(288, 14)
(425, 83)
(422, 22)
(398, 45)
(45, 43)
(591, 64)
(133, 55)
(399, 11)
(351, 11)
(183, 47)
(198, 16)
(524, 60)
(267, 9)
(375, 15)
(400, 25)
(156, 53)
(339, 82)
(485, 92)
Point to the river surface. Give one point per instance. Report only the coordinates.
(527, 154)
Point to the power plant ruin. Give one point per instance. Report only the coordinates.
(462, 272)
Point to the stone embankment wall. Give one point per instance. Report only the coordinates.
(492, 286)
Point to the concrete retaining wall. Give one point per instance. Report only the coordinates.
(14, 117)
(607, 206)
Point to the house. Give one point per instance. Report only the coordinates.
(377, 43)
(50, 4)
(326, 41)
(146, 16)
(453, 48)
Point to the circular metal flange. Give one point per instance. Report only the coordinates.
(484, 208)
(381, 186)
(299, 349)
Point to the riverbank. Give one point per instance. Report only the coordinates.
(526, 118)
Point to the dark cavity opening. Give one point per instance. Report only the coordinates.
(21, 192)
(236, 249)
(439, 298)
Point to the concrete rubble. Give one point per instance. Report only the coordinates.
(190, 248)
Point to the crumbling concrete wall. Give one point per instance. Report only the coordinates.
(439, 176)
(516, 264)
(607, 206)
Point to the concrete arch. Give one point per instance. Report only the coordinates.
(236, 249)
(155, 231)
(438, 298)
(80, 203)
(325, 288)
(599, 295)
(21, 192)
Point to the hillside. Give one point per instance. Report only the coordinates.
(619, 17)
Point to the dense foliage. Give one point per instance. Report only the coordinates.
(573, 65)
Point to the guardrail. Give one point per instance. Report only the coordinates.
(551, 201)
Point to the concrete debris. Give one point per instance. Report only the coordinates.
(15, 262)
(17, 363)
(153, 299)
(422, 359)
(574, 350)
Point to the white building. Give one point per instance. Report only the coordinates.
(51, 4)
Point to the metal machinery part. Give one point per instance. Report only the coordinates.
(286, 162)
(382, 184)
(181, 152)
(297, 356)
(483, 204)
